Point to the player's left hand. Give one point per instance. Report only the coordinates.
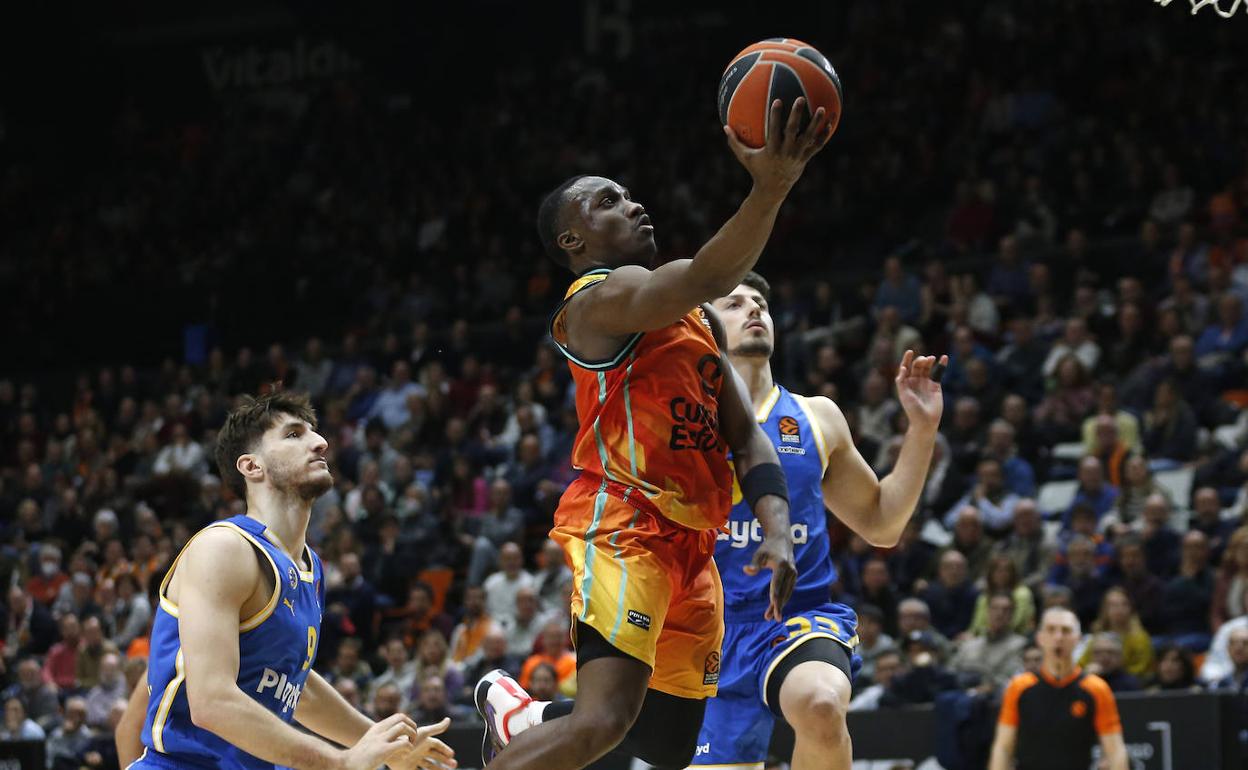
(427, 752)
(776, 554)
(920, 395)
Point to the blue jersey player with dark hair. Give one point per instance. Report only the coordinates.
(800, 668)
(238, 623)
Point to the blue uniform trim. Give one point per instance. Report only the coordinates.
(600, 502)
(628, 413)
(587, 582)
(619, 610)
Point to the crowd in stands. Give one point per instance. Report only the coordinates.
(1087, 279)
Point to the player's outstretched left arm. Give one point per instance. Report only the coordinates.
(879, 510)
(325, 712)
(762, 481)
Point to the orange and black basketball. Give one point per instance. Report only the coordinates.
(776, 68)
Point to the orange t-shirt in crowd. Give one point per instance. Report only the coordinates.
(565, 666)
(467, 638)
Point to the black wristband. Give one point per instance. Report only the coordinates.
(764, 479)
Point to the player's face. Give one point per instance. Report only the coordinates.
(747, 322)
(612, 228)
(293, 455)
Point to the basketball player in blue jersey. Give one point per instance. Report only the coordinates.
(239, 617)
(800, 668)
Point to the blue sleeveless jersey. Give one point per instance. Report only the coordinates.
(276, 649)
(787, 420)
(736, 729)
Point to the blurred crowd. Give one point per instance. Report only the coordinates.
(1073, 240)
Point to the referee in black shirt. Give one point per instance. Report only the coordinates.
(1050, 720)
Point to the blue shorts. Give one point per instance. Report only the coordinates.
(738, 722)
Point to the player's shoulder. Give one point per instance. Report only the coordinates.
(215, 547)
(220, 538)
(594, 288)
(828, 414)
(605, 281)
(820, 405)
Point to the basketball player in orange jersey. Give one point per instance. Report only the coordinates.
(659, 410)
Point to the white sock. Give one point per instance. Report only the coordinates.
(529, 716)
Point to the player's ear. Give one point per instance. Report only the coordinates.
(570, 241)
(249, 467)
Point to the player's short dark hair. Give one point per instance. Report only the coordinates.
(246, 425)
(548, 220)
(758, 284)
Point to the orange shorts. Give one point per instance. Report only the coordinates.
(648, 585)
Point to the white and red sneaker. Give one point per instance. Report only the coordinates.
(498, 698)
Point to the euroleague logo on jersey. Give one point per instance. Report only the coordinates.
(710, 670)
(790, 431)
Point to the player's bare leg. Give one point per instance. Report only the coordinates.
(609, 695)
(814, 699)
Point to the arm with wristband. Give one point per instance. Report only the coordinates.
(761, 478)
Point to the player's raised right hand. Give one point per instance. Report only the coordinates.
(385, 741)
(777, 165)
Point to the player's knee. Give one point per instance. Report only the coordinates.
(819, 716)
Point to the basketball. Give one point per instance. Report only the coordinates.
(777, 68)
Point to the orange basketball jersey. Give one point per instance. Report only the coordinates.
(649, 419)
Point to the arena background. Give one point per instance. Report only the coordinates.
(1054, 193)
